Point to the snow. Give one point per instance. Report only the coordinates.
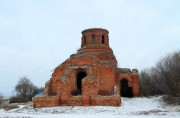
(131, 107)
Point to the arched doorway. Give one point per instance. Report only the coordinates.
(125, 90)
(79, 77)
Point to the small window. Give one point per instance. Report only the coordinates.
(102, 39)
(84, 39)
(93, 39)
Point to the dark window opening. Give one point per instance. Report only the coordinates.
(93, 39)
(102, 39)
(84, 39)
(125, 90)
(80, 77)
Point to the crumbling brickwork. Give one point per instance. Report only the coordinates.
(90, 77)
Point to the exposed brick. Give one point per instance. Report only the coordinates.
(89, 77)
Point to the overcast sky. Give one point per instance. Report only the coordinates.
(38, 35)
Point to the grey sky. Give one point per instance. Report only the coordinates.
(38, 35)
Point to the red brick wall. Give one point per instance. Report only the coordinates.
(45, 101)
(99, 87)
(133, 81)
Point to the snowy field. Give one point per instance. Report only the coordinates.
(130, 107)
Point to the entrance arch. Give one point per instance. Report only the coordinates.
(80, 75)
(125, 90)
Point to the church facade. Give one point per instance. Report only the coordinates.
(90, 77)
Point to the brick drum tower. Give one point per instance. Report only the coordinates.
(90, 77)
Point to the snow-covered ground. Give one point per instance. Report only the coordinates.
(131, 107)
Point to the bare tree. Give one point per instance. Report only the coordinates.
(164, 78)
(145, 83)
(169, 70)
(24, 91)
(150, 83)
(25, 88)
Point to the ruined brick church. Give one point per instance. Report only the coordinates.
(90, 77)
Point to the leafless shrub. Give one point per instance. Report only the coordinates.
(18, 99)
(1, 96)
(171, 100)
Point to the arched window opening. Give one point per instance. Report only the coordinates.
(84, 39)
(125, 90)
(93, 39)
(102, 39)
(80, 76)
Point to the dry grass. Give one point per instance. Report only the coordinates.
(170, 100)
(9, 107)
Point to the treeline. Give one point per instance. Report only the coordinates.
(1, 96)
(24, 91)
(163, 78)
